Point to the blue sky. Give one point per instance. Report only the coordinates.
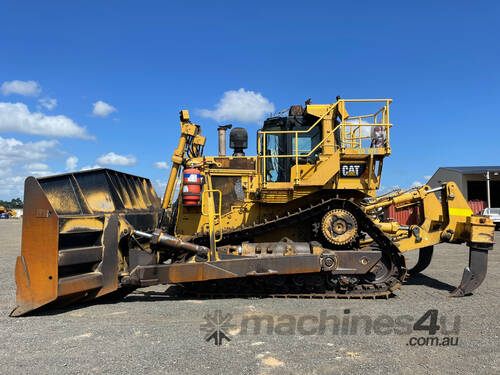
(145, 61)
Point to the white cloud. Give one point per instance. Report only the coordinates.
(162, 165)
(427, 177)
(71, 163)
(416, 184)
(87, 167)
(18, 160)
(366, 131)
(114, 159)
(16, 117)
(48, 103)
(26, 88)
(161, 185)
(15, 152)
(37, 166)
(240, 105)
(102, 109)
(38, 169)
(12, 187)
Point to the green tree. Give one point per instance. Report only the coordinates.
(14, 203)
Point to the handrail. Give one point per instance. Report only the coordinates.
(213, 216)
(301, 131)
(353, 140)
(302, 155)
(365, 100)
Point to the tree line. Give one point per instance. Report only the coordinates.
(14, 203)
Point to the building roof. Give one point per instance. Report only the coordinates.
(473, 170)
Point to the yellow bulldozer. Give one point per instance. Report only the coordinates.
(9, 212)
(300, 219)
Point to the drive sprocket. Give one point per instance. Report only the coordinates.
(339, 227)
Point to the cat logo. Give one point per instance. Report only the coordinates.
(352, 170)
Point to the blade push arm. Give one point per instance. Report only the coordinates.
(444, 219)
(448, 219)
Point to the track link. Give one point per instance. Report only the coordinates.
(338, 287)
(314, 285)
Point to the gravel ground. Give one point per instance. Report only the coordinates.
(148, 333)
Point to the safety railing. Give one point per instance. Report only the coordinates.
(261, 144)
(214, 213)
(366, 132)
(361, 133)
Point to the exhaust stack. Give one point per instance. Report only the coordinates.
(222, 138)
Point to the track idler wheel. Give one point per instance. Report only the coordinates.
(339, 227)
(381, 271)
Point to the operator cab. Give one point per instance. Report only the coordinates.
(278, 168)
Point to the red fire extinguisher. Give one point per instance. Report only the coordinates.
(191, 191)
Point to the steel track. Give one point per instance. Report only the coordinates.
(361, 289)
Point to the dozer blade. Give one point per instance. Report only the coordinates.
(475, 273)
(72, 226)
